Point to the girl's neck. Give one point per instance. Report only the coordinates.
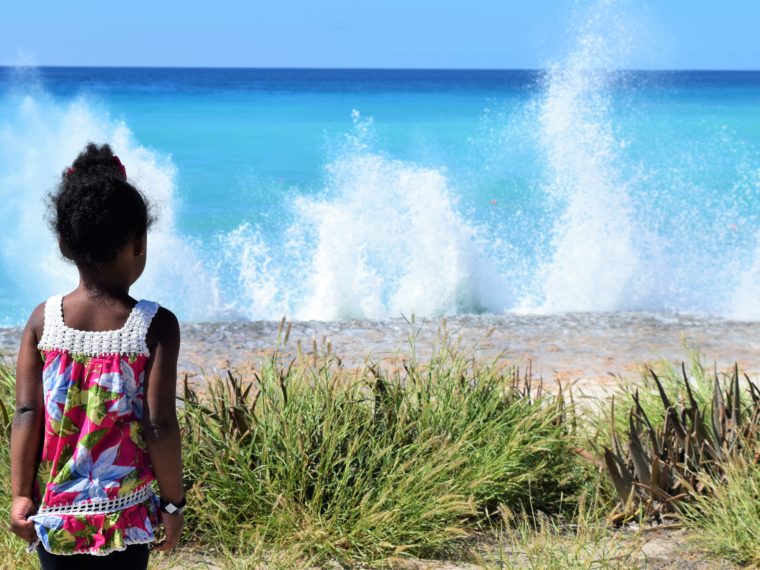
(101, 288)
(113, 279)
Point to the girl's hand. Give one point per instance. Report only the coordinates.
(173, 528)
(21, 508)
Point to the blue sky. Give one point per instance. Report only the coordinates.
(671, 34)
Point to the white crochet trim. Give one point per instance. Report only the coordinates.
(100, 507)
(128, 340)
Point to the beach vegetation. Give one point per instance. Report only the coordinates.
(664, 454)
(302, 462)
(377, 463)
(726, 515)
(611, 414)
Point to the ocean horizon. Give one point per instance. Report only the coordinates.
(334, 194)
(9, 67)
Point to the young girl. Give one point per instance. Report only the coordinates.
(95, 419)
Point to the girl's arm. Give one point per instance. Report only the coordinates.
(26, 434)
(160, 418)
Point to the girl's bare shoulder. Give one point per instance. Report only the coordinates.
(164, 329)
(36, 321)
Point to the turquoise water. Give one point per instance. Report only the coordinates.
(333, 194)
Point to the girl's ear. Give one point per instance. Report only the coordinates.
(140, 244)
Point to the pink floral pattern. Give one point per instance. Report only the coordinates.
(93, 450)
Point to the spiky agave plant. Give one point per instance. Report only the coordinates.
(660, 466)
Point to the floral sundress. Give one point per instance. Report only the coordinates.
(93, 485)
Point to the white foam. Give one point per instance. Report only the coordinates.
(36, 145)
(593, 255)
(383, 239)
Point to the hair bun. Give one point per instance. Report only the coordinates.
(98, 160)
(95, 211)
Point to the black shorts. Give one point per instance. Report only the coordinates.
(135, 557)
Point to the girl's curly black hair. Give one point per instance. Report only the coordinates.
(94, 211)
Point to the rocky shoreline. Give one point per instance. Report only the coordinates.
(589, 350)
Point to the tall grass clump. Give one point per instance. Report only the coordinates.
(727, 515)
(374, 463)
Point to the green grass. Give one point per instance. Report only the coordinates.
(304, 463)
(547, 546)
(727, 517)
(581, 540)
(307, 462)
(370, 465)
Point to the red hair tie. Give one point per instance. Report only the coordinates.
(122, 169)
